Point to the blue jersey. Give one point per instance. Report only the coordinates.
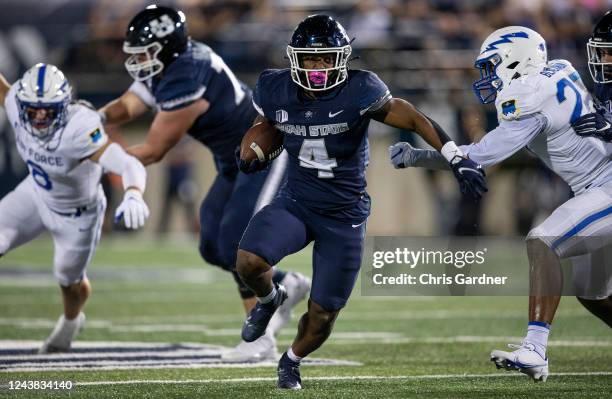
(200, 73)
(326, 139)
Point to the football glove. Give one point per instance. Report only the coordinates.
(133, 210)
(401, 155)
(594, 124)
(470, 175)
(249, 167)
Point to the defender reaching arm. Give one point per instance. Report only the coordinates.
(399, 113)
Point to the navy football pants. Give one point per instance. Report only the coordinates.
(285, 227)
(225, 213)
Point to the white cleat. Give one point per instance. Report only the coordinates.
(524, 359)
(63, 334)
(297, 286)
(263, 348)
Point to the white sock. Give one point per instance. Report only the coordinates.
(268, 298)
(537, 334)
(291, 355)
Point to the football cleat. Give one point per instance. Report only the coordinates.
(263, 348)
(288, 373)
(524, 359)
(297, 286)
(257, 321)
(63, 334)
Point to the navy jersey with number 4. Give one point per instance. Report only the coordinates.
(326, 138)
(200, 73)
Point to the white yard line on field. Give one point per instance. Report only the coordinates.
(341, 378)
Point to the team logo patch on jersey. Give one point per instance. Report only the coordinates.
(95, 136)
(282, 116)
(510, 110)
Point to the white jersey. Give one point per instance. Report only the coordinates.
(536, 111)
(64, 178)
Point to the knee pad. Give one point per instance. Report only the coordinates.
(245, 292)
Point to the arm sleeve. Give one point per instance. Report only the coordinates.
(429, 159)
(505, 140)
(132, 172)
(143, 93)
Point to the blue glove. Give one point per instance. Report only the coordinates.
(470, 176)
(249, 167)
(594, 124)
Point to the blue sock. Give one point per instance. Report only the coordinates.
(537, 334)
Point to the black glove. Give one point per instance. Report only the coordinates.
(249, 167)
(593, 125)
(470, 176)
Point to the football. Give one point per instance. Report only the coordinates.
(262, 141)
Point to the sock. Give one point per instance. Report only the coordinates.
(278, 276)
(268, 298)
(295, 358)
(537, 334)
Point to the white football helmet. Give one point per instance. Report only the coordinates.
(505, 55)
(43, 95)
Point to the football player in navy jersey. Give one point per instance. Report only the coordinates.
(324, 110)
(194, 92)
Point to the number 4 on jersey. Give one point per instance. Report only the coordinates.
(313, 155)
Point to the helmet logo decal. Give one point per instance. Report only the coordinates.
(41, 81)
(504, 39)
(162, 27)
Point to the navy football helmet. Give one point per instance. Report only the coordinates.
(319, 35)
(155, 37)
(599, 50)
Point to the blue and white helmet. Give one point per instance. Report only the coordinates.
(43, 95)
(506, 54)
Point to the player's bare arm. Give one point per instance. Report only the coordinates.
(123, 109)
(167, 129)
(403, 115)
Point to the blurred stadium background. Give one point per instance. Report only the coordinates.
(423, 49)
(149, 290)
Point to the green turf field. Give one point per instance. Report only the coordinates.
(160, 292)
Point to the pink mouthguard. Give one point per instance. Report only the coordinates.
(317, 77)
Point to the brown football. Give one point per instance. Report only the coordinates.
(262, 141)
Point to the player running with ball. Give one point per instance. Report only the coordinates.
(323, 110)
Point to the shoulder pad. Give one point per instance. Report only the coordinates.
(180, 85)
(274, 81)
(84, 133)
(373, 92)
(524, 96)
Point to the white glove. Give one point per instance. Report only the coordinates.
(401, 155)
(132, 209)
